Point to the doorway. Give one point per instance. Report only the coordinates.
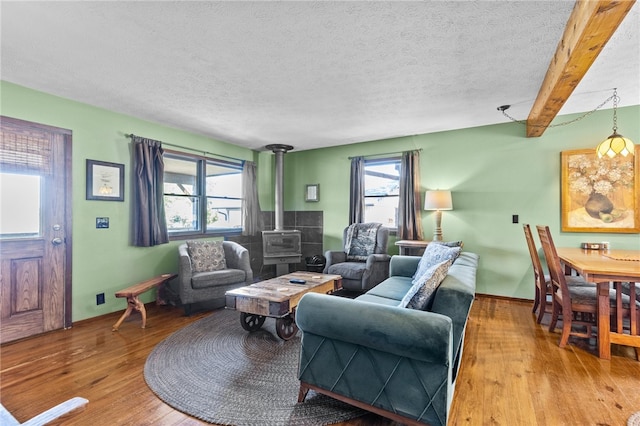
(35, 229)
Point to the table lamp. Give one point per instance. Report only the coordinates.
(438, 200)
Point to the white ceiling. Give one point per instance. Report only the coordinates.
(308, 74)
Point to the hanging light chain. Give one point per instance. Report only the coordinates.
(524, 122)
(615, 110)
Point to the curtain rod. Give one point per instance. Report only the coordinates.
(131, 135)
(384, 153)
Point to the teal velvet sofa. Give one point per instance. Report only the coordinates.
(369, 352)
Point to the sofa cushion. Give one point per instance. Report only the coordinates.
(206, 256)
(216, 278)
(423, 289)
(348, 270)
(392, 288)
(434, 254)
(379, 300)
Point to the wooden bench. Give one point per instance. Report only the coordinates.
(61, 410)
(132, 293)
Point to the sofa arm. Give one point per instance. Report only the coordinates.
(333, 257)
(184, 271)
(376, 270)
(373, 258)
(419, 335)
(403, 266)
(237, 257)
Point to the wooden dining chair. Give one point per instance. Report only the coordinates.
(628, 304)
(577, 304)
(542, 302)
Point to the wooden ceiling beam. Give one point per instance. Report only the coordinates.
(590, 26)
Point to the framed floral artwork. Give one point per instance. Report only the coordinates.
(600, 194)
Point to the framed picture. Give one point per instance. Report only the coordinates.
(105, 181)
(102, 222)
(600, 194)
(312, 192)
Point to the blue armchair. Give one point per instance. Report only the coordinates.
(364, 262)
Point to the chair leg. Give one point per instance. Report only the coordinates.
(536, 302)
(566, 331)
(638, 330)
(542, 303)
(554, 318)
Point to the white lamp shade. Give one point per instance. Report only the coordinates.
(438, 200)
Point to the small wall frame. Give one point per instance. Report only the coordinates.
(312, 192)
(105, 181)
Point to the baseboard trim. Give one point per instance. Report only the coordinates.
(511, 299)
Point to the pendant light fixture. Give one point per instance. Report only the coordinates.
(616, 143)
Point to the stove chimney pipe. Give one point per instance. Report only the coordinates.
(279, 150)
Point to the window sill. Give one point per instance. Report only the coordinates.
(177, 236)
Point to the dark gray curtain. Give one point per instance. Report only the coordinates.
(356, 191)
(251, 213)
(409, 217)
(149, 222)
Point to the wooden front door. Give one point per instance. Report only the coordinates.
(35, 229)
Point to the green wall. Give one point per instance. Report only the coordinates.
(104, 261)
(493, 172)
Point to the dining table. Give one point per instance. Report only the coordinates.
(603, 267)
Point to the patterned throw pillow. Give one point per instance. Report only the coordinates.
(361, 241)
(420, 293)
(206, 256)
(433, 254)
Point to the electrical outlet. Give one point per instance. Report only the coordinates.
(99, 298)
(514, 218)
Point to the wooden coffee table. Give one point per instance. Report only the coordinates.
(277, 298)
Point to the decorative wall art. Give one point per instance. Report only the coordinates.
(102, 222)
(600, 194)
(105, 181)
(312, 192)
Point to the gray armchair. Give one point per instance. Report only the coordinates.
(367, 272)
(211, 286)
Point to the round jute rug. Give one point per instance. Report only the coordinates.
(634, 420)
(216, 371)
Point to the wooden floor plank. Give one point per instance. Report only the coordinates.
(513, 372)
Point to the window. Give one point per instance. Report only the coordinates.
(202, 196)
(381, 191)
(19, 205)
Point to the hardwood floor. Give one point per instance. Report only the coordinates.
(513, 373)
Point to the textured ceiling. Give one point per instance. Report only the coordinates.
(309, 74)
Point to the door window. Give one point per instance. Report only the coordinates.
(19, 205)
